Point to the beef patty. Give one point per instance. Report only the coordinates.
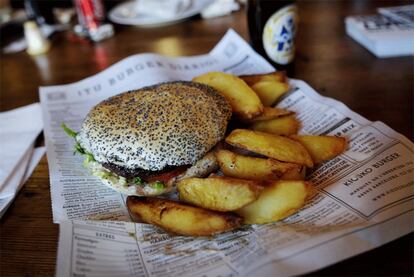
(132, 173)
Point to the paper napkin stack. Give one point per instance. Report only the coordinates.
(19, 129)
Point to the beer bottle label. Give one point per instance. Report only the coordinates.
(279, 33)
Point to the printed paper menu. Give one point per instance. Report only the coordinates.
(364, 196)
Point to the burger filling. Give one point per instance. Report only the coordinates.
(149, 181)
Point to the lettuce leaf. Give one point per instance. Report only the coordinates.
(68, 131)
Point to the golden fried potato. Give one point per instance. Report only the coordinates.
(218, 193)
(271, 113)
(270, 91)
(243, 100)
(322, 148)
(201, 168)
(277, 201)
(180, 218)
(276, 76)
(244, 167)
(295, 173)
(283, 126)
(272, 146)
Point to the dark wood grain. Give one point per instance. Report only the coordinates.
(334, 64)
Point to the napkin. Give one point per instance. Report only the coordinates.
(19, 129)
(17, 181)
(167, 9)
(220, 8)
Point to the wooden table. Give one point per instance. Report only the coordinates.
(329, 60)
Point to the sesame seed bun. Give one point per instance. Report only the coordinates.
(168, 124)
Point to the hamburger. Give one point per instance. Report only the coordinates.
(141, 141)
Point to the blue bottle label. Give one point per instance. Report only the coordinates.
(279, 34)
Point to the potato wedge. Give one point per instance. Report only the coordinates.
(271, 113)
(201, 168)
(218, 193)
(296, 173)
(244, 167)
(284, 126)
(270, 91)
(272, 146)
(277, 201)
(243, 100)
(276, 76)
(180, 218)
(322, 148)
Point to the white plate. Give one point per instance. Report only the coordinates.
(125, 14)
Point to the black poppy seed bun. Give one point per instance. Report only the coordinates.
(168, 124)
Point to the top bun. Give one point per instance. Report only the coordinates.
(168, 124)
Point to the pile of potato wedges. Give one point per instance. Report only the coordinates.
(262, 165)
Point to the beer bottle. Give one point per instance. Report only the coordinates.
(272, 29)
